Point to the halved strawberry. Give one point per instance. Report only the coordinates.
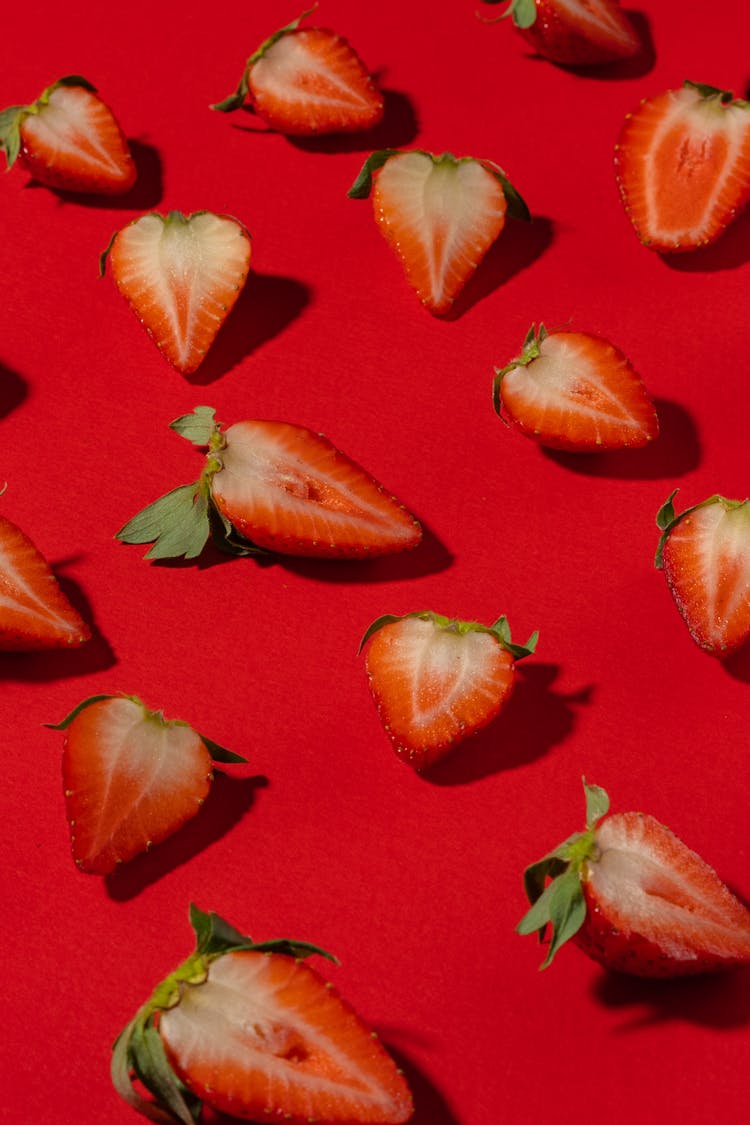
(34, 612)
(251, 1030)
(439, 214)
(705, 554)
(576, 391)
(437, 680)
(635, 899)
(131, 778)
(272, 486)
(181, 275)
(683, 166)
(574, 32)
(69, 139)
(307, 80)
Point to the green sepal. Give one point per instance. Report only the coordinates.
(104, 256)
(597, 803)
(198, 426)
(529, 351)
(10, 132)
(120, 1072)
(726, 97)
(227, 539)
(220, 753)
(522, 11)
(214, 936)
(177, 524)
(236, 100)
(65, 723)
(516, 204)
(500, 629)
(386, 619)
(667, 519)
(149, 1061)
(362, 186)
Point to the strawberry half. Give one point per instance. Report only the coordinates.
(683, 166)
(439, 214)
(574, 32)
(304, 81)
(575, 391)
(705, 555)
(635, 898)
(272, 486)
(249, 1029)
(181, 276)
(131, 778)
(436, 680)
(69, 139)
(34, 612)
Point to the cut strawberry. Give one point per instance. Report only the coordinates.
(250, 1030)
(574, 32)
(181, 276)
(436, 680)
(272, 486)
(69, 139)
(683, 166)
(131, 778)
(306, 81)
(705, 554)
(635, 899)
(34, 612)
(575, 391)
(439, 214)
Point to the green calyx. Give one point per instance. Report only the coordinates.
(500, 630)
(237, 99)
(12, 118)
(523, 12)
(530, 351)
(138, 1052)
(553, 884)
(362, 186)
(667, 519)
(722, 97)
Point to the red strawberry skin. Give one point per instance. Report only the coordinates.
(687, 921)
(266, 1038)
(34, 612)
(581, 32)
(683, 166)
(290, 490)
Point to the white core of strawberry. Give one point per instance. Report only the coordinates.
(17, 595)
(286, 69)
(70, 123)
(447, 205)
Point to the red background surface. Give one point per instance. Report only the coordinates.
(414, 882)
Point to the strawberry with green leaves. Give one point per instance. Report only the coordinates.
(636, 899)
(439, 214)
(575, 391)
(683, 166)
(272, 486)
(705, 555)
(574, 32)
(34, 612)
(69, 139)
(131, 778)
(436, 680)
(181, 276)
(249, 1029)
(304, 81)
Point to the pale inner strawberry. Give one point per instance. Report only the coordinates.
(440, 217)
(75, 125)
(264, 1035)
(317, 68)
(648, 882)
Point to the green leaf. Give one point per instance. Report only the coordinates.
(597, 803)
(665, 515)
(177, 524)
(567, 909)
(517, 207)
(150, 1063)
(549, 866)
(10, 132)
(219, 754)
(69, 80)
(198, 427)
(296, 949)
(386, 619)
(214, 935)
(706, 91)
(523, 13)
(103, 257)
(537, 918)
(65, 723)
(362, 186)
(501, 629)
(228, 540)
(120, 1072)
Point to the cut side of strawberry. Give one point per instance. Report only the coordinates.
(34, 612)
(181, 276)
(635, 898)
(131, 778)
(574, 32)
(436, 680)
(705, 555)
(273, 486)
(439, 214)
(307, 81)
(683, 166)
(249, 1029)
(69, 139)
(575, 391)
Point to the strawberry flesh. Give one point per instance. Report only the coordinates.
(683, 166)
(580, 32)
(264, 1036)
(34, 612)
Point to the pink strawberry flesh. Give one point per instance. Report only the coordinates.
(34, 612)
(264, 1037)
